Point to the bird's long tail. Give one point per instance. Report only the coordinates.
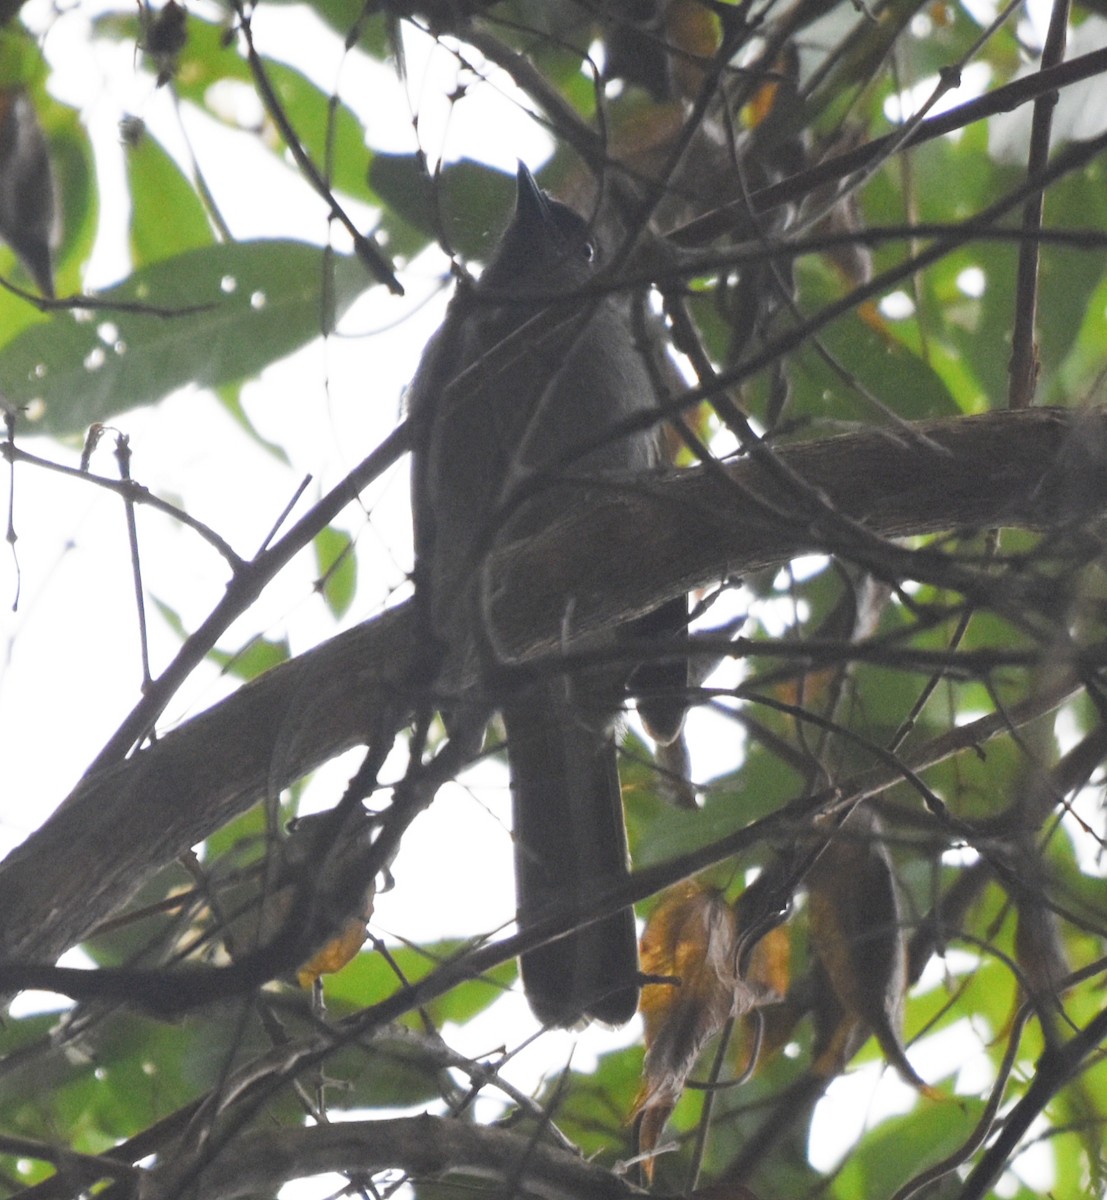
(570, 845)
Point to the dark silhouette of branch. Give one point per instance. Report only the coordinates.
(1003, 99)
(1025, 364)
(1055, 1069)
(425, 1146)
(622, 553)
(250, 579)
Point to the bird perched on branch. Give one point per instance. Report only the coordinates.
(516, 410)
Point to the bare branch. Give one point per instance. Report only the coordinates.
(620, 555)
(420, 1146)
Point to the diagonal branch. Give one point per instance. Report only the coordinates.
(422, 1146)
(621, 554)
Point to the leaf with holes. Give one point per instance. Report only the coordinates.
(211, 316)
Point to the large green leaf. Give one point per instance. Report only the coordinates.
(861, 344)
(327, 130)
(224, 313)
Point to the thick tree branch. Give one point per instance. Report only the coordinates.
(660, 539)
(619, 555)
(260, 1162)
(122, 824)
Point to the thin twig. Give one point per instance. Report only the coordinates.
(365, 248)
(11, 536)
(135, 492)
(123, 458)
(248, 583)
(1024, 365)
(1013, 95)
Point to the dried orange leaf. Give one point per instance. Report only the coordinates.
(771, 961)
(690, 938)
(692, 942)
(857, 932)
(259, 904)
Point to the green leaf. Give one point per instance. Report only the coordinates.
(145, 922)
(1072, 284)
(467, 203)
(248, 662)
(230, 395)
(326, 128)
(167, 216)
(334, 556)
(253, 659)
(21, 61)
(899, 1148)
(78, 195)
(1089, 350)
(863, 344)
(370, 978)
(226, 312)
(248, 831)
(592, 1105)
(127, 1072)
(761, 785)
(328, 131)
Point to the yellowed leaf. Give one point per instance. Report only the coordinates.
(771, 961)
(695, 31)
(856, 929)
(691, 942)
(691, 939)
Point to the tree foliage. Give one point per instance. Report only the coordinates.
(865, 245)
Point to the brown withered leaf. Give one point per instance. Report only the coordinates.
(694, 32)
(857, 933)
(165, 35)
(345, 895)
(664, 46)
(692, 938)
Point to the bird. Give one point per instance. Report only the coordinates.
(520, 398)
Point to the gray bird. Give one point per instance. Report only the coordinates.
(509, 408)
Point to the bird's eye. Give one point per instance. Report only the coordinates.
(588, 251)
